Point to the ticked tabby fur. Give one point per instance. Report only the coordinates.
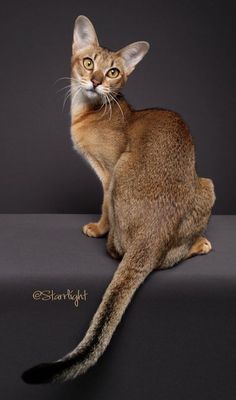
(155, 207)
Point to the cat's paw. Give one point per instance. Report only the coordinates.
(93, 229)
(201, 246)
(204, 246)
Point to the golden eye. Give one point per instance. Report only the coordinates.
(113, 73)
(88, 63)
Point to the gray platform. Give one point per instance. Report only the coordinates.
(176, 341)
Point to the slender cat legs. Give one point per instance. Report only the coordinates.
(96, 229)
(100, 228)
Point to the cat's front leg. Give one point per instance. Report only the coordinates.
(100, 228)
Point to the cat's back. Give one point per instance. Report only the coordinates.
(160, 121)
(160, 143)
(161, 130)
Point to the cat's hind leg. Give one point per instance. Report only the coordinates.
(190, 242)
(113, 243)
(175, 255)
(201, 246)
(111, 248)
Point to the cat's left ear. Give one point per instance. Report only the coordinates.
(84, 33)
(133, 54)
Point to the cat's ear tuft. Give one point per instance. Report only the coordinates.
(133, 54)
(84, 33)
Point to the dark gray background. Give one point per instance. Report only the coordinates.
(190, 68)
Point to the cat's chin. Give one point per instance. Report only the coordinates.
(92, 94)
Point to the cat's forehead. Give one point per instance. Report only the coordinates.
(101, 56)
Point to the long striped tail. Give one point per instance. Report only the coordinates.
(136, 265)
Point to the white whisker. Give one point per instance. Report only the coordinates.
(65, 87)
(75, 94)
(65, 78)
(67, 96)
(115, 100)
(110, 106)
(105, 104)
(72, 95)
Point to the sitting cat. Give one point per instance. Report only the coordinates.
(155, 207)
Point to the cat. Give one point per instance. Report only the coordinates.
(155, 207)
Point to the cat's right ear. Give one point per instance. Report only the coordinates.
(84, 34)
(133, 54)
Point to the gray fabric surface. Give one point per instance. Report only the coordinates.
(176, 340)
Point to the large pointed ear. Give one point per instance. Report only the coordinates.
(133, 54)
(84, 33)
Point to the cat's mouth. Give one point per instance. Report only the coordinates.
(92, 92)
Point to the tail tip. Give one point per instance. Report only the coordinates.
(42, 373)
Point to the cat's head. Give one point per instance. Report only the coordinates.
(97, 71)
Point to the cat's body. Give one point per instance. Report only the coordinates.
(155, 206)
(133, 147)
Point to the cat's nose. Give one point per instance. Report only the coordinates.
(95, 82)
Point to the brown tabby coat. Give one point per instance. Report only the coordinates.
(155, 206)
